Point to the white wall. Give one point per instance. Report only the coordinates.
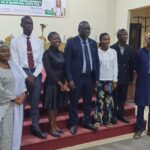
(122, 11)
(99, 13)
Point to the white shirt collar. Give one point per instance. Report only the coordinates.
(83, 40)
(104, 51)
(25, 36)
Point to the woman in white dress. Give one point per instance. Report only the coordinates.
(12, 94)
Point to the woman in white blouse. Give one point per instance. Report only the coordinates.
(107, 81)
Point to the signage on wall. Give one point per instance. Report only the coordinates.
(49, 8)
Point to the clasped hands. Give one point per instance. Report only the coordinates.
(63, 86)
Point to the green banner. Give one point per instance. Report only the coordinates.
(33, 7)
(22, 2)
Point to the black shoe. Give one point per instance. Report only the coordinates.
(38, 133)
(114, 120)
(90, 126)
(55, 134)
(123, 119)
(73, 130)
(137, 135)
(148, 132)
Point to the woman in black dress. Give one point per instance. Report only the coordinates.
(55, 86)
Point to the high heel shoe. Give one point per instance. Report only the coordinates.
(60, 131)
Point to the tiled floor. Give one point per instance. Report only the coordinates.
(129, 144)
(92, 145)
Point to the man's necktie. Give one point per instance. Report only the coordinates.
(87, 58)
(30, 54)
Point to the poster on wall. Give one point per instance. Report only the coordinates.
(50, 8)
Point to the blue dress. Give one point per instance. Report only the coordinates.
(142, 67)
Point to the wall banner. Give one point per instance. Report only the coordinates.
(33, 7)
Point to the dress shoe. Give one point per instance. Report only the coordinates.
(73, 130)
(137, 135)
(114, 120)
(109, 125)
(38, 133)
(55, 134)
(123, 119)
(90, 126)
(148, 133)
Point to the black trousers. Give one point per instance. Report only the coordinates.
(83, 88)
(140, 119)
(119, 96)
(34, 97)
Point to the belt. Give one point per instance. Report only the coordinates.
(29, 69)
(86, 74)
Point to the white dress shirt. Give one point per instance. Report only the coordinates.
(108, 65)
(18, 49)
(83, 52)
(122, 49)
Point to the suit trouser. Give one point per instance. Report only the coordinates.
(119, 96)
(140, 119)
(34, 96)
(83, 88)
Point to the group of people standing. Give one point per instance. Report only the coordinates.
(69, 76)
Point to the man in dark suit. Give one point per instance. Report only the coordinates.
(125, 74)
(82, 73)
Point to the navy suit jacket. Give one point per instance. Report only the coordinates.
(74, 59)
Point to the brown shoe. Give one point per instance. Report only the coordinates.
(137, 135)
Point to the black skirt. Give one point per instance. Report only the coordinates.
(53, 97)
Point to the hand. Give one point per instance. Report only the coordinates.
(71, 84)
(65, 87)
(60, 84)
(20, 99)
(114, 84)
(96, 85)
(31, 80)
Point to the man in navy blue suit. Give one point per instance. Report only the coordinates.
(82, 73)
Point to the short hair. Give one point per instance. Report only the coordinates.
(81, 23)
(51, 34)
(103, 34)
(24, 18)
(121, 31)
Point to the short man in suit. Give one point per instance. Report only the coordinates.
(125, 75)
(82, 73)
